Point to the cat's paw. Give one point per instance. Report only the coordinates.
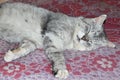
(9, 56)
(62, 74)
(110, 44)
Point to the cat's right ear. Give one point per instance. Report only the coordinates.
(100, 20)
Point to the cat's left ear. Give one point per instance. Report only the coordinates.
(100, 20)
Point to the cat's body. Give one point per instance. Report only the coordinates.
(35, 27)
(22, 21)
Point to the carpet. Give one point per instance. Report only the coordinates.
(99, 64)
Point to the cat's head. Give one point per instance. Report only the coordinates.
(95, 26)
(91, 29)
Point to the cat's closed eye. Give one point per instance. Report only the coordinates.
(78, 38)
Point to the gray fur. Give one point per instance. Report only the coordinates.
(36, 27)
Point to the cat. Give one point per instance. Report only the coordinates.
(35, 27)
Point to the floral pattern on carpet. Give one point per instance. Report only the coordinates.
(99, 64)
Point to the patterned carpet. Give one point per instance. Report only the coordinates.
(99, 64)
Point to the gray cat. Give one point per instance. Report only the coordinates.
(36, 27)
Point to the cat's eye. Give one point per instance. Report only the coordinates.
(78, 38)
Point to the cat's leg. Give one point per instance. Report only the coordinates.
(58, 64)
(25, 48)
(53, 49)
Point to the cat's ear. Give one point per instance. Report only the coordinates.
(100, 20)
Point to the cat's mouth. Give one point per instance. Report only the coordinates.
(85, 38)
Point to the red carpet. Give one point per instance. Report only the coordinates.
(99, 64)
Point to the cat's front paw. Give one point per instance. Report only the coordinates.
(62, 74)
(9, 56)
